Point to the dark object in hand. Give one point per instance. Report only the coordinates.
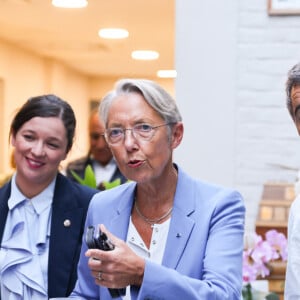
(103, 243)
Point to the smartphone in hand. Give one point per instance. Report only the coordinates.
(102, 242)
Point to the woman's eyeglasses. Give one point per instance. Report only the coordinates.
(141, 132)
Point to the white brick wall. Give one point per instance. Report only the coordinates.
(268, 46)
(231, 90)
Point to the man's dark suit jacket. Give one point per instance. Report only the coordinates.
(70, 202)
(79, 165)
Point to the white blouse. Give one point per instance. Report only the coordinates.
(25, 246)
(157, 245)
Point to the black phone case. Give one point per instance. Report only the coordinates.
(103, 243)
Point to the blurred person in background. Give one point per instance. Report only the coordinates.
(99, 156)
(42, 213)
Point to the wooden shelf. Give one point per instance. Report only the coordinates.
(274, 207)
(273, 214)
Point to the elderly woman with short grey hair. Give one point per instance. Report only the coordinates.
(173, 236)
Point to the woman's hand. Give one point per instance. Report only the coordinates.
(117, 268)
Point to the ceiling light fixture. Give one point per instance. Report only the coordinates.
(166, 73)
(144, 55)
(70, 3)
(113, 33)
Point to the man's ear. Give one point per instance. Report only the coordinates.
(177, 135)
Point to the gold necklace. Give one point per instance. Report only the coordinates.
(151, 222)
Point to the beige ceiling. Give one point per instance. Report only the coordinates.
(71, 35)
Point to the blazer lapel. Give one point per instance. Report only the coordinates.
(180, 227)
(179, 232)
(65, 230)
(181, 224)
(120, 223)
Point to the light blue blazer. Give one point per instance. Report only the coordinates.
(203, 254)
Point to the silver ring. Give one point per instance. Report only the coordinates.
(99, 275)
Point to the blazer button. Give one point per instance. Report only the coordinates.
(67, 223)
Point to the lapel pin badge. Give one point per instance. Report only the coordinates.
(67, 223)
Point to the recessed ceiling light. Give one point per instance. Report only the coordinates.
(70, 3)
(145, 55)
(166, 73)
(113, 33)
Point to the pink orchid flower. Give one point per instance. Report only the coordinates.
(259, 253)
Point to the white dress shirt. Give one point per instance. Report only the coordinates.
(104, 173)
(292, 280)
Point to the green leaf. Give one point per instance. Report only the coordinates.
(272, 296)
(77, 177)
(109, 185)
(89, 177)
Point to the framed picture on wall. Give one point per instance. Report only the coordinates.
(284, 7)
